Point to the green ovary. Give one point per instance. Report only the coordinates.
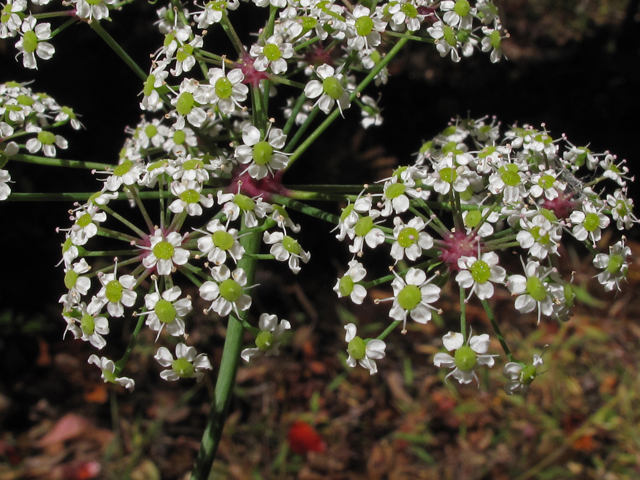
(185, 103)
(150, 131)
(528, 374)
(6, 13)
(244, 202)
(70, 279)
(480, 271)
(123, 168)
(448, 174)
(541, 239)
(509, 175)
(462, 8)
(346, 211)
(291, 245)
(148, 85)
(230, 290)
(109, 376)
(495, 39)
(165, 311)
(88, 324)
(94, 2)
(84, 220)
(179, 137)
(25, 100)
(163, 250)
(591, 222)
(364, 26)
(363, 226)
(184, 53)
(465, 358)
(264, 341)
(262, 153)
(615, 264)
(30, 42)
(407, 237)
(190, 196)
(223, 240)
(193, 164)
(345, 286)
(472, 218)
(546, 181)
(218, 6)
(535, 288)
(223, 87)
(357, 348)
(47, 138)
(272, 52)
(308, 23)
(183, 368)
(113, 291)
(409, 297)
(394, 190)
(332, 87)
(449, 36)
(409, 10)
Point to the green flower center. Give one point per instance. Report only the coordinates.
(465, 358)
(509, 175)
(308, 23)
(264, 341)
(179, 137)
(549, 215)
(621, 208)
(262, 153)
(149, 85)
(30, 41)
(223, 87)
(394, 190)
(185, 103)
(480, 271)
(163, 250)
(88, 324)
(113, 291)
(495, 39)
(183, 368)
(407, 237)
(165, 311)
(615, 264)
(541, 239)
(168, 38)
(123, 168)
(409, 297)
(223, 240)
(94, 2)
(193, 164)
(472, 218)
(155, 165)
(25, 100)
(332, 87)
(409, 10)
(462, 8)
(528, 374)
(218, 6)
(70, 279)
(345, 287)
(357, 348)
(591, 222)
(546, 181)
(448, 174)
(47, 138)
(291, 245)
(185, 52)
(346, 211)
(487, 150)
(84, 220)
(449, 35)
(244, 202)
(150, 130)
(6, 13)
(364, 26)
(109, 376)
(535, 288)
(272, 52)
(230, 290)
(363, 226)
(190, 196)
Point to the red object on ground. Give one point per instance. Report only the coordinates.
(303, 438)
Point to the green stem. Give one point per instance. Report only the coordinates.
(231, 33)
(306, 209)
(496, 329)
(123, 220)
(133, 190)
(105, 232)
(463, 315)
(66, 24)
(389, 329)
(303, 128)
(118, 49)
(227, 372)
(58, 162)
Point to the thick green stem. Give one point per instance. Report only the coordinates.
(59, 162)
(496, 329)
(118, 49)
(227, 372)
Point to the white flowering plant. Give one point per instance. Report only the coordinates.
(206, 168)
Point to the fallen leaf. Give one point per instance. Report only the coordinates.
(303, 438)
(68, 427)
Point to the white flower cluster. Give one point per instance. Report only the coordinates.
(522, 190)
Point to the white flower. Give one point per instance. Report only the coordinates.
(32, 42)
(165, 311)
(96, 9)
(187, 363)
(10, 20)
(410, 240)
(45, 140)
(274, 53)
(365, 231)
(532, 291)
(588, 223)
(347, 284)
(330, 89)
(363, 29)
(220, 243)
(108, 372)
(478, 274)
(116, 293)
(165, 252)
(252, 208)
(520, 376)
(226, 90)
(363, 352)
(88, 327)
(5, 189)
(189, 198)
(413, 295)
(268, 340)
(263, 156)
(226, 292)
(621, 209)
(466, 357)
(284, 248)
(539, 236)
(213, 12)
(614, 265)
(76, 284)
(85, 226)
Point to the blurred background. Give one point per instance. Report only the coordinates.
(573, 65)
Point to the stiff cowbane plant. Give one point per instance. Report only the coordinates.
(205, 168)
